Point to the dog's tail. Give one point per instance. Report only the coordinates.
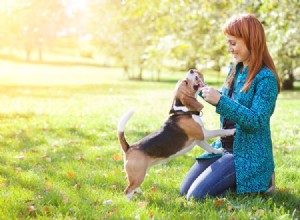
(121, 126)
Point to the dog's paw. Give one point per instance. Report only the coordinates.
(218, 151)
(139, 191)
(228, 132)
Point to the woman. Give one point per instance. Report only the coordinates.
(247, 101)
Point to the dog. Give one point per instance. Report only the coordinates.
(179, 134)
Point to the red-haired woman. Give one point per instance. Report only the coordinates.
(246, 102)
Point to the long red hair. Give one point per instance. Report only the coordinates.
(249, 28)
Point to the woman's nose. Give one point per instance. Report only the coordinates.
(229, 48)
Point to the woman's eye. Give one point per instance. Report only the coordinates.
(231, 43)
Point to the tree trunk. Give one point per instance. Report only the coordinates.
(288, 84)
(140, 76)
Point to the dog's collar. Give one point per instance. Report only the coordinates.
(180, 112)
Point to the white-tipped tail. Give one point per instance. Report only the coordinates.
(124, 120)
(125, 146)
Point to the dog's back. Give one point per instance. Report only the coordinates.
(156, 144)
(166, 141)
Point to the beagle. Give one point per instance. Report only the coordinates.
(179, 134)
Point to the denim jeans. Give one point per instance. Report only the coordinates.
(212, 177)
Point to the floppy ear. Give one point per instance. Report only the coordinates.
(185, 93)
(184, 87)
(191, 103)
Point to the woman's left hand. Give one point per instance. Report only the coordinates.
(210, 95)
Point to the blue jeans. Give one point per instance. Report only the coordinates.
(212, 177)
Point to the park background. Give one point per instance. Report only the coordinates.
(71, 68)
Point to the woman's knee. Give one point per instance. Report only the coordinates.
(196, 170)
(214, 181)
(184, 187)
(196, 195)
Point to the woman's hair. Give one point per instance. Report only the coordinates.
(249, 28)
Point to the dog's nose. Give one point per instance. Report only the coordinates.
(191, 71)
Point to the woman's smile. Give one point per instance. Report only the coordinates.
(238, 49)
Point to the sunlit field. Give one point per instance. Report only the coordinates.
(60, 158)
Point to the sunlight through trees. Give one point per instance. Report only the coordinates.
(145, 36)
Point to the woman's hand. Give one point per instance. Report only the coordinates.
(210, 95)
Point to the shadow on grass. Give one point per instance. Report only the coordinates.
(284, 200)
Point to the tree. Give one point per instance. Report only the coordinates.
(283, 28)
(33, 24)
(151, 34)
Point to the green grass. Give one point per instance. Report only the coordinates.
(60, 159)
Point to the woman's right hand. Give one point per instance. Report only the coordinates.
(211, 95)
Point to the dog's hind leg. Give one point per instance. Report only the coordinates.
(136, 169)
(129, 195)
(132, 188)
(138, 190)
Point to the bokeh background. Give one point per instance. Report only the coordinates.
(144, 38)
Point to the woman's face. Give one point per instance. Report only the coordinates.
(238, 49)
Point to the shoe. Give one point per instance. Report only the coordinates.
(271, 188)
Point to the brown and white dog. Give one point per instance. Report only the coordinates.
(179, 134)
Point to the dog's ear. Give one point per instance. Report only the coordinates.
(191, 103)
(184, 88)
(184, 81)
(185, 93)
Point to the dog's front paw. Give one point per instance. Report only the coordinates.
(218, 151)
(228, 132)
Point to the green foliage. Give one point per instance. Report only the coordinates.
(282, 20)
(155, 35)
(188, 34)
(60, 159)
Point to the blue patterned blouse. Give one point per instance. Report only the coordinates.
(251, 111)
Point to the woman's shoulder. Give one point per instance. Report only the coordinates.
(265, 72)
(265, 75)
(266, 78)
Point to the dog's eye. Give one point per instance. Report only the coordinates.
(197, 78)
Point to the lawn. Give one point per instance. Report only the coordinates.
(60, 159)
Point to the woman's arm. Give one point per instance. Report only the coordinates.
(259, 113)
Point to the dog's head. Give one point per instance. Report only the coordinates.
(197, 79)
(186, 93)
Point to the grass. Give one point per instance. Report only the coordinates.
(60, 159)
